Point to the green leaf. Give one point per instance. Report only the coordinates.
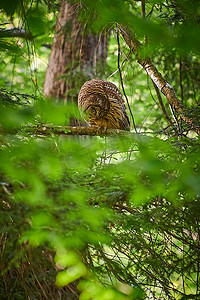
(36, 21)
(71, 274)
(10, 6)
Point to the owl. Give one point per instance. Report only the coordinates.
(102, 105)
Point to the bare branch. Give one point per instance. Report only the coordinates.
(143, 13)
(69, 130)
(16, 32)
(180, 78)
(162, 104)
(121, 79)
(157, 78)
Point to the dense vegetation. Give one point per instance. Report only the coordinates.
(116, 215)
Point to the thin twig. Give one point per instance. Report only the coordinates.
(161, 103)
(175, 120)
(150, 13)
(119, 50)
(180, 78)
(143, 8)
(126, 58)
(43, 291)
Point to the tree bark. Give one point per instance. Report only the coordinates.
(76, 55)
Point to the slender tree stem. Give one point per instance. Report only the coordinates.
(180, 78)
(143, 8)
(122, 84)
(162, 104)
(16, 32)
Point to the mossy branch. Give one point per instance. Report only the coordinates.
(69, 130)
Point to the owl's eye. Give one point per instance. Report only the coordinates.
(91, 111)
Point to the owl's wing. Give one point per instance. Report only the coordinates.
(117, 105)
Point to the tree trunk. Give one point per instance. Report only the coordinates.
(76, 55)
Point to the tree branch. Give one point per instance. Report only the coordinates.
(143, 13)
(69, 130)
(121, 79)
(157, 78)
(162, 104)
(16, 32)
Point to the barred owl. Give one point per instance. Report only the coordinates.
(102, 105)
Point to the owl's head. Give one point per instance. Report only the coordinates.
(95, 106)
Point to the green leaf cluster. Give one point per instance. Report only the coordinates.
(119, 212)
(119, 215)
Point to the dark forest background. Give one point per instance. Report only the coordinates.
(89, 214)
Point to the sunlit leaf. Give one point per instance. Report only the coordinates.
(71, 274)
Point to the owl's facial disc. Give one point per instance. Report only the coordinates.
(92, 111)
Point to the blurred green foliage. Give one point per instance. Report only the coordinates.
(119, 215)
(115, 209)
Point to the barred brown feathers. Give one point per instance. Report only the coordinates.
(102, 105)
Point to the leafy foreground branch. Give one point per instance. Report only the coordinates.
(119, 216)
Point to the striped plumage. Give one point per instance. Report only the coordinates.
(102, 105)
